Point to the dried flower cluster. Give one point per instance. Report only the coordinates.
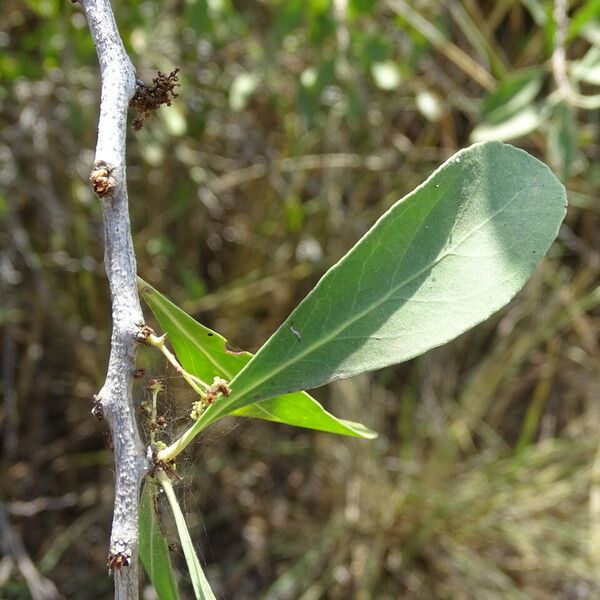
(150, 97)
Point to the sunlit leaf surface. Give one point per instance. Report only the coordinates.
(207, 354)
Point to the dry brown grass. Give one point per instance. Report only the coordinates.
(485, 480)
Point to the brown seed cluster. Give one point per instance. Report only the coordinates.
(150, 97)
(219, 386)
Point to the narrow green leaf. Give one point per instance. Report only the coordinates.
(588, 68)
(207, 354)
(200, 350)
(440, 261)
(515, 93)
(517, 125)
(586, 15)
(510, 112)
(562, 140)
(200, 584)
(302, 410)
(154, 550)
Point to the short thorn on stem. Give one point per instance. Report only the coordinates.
(119, 555)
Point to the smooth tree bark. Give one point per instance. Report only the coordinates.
(114, 401)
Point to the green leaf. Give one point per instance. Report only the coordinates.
(154, 550)
(518, 125)
(515, 93)
(206, 354)
(586, 15)
(562, 140)
(509, 112)
(302, 410)
(588, 68)
(200, 584)
(439, 262)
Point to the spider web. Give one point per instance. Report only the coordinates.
(197, 465)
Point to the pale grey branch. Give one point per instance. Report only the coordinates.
(115, 398)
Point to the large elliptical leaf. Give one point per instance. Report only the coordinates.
(206, 354)
(438, 262)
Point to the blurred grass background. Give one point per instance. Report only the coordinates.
(298, 123)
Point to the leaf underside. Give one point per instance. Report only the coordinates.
(437, 263)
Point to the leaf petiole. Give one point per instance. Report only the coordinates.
(158, 341)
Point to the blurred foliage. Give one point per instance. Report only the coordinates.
(298, 123)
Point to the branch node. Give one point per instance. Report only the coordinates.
(143, 334)
(168, 466)
(101, 178)
(119, 555)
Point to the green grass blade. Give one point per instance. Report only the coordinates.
(206, 354)
(515, 93)
(200, 584)
(154, 550)
(440, 261)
